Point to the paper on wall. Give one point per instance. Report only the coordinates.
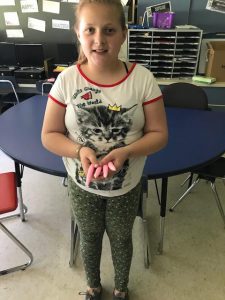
(216, 5)
(29, 6)
(160, 7)
(14, 33)
(36, 24)
(11, 19)
(7, 2)
(60, 24)
(51, 6)
(124, 2)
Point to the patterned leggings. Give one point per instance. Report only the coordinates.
(96, 214)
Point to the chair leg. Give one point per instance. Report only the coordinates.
(218, 202)
(185, 194)
(187, 178)
(147, 253)
(22, 208)
(74, 242)
(22, 247)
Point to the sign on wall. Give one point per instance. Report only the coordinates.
(161, 7)
(216, 5)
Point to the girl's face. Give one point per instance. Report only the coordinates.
(100, 34)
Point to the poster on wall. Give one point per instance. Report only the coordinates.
(60, 24)
(7, 2)
(29, 6)
(11, 19)
(36, 24)
(216, 5)
(14, 33)
(51, 7)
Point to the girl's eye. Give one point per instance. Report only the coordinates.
(90, 30)
(109, 30)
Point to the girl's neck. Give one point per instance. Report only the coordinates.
(108, 74)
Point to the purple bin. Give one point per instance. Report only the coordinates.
(163, 19)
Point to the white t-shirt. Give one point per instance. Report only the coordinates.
(105, 117)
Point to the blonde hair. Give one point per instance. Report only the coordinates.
(116, 3)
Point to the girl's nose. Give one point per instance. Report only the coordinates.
(99, 38)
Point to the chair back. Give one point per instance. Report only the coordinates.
(43, 86)
(185, 95)
(8, 195)
(8, 84)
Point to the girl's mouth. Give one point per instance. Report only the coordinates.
(100, 51)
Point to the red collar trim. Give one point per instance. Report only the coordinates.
(106, 85)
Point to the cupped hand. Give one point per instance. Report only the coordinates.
(88, 157)
(117, 157)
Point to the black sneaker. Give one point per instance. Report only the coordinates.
(96, 295)
(120, 297)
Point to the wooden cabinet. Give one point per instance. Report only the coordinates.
(168, 53)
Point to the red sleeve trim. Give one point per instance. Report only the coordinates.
(56, 101)
(152, 100)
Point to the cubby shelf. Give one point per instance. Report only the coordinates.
(168, 53)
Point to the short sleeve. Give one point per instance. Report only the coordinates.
(152, 90)
(57, 91)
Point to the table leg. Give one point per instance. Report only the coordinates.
(162, 212)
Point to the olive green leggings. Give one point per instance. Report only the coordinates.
(94, 215)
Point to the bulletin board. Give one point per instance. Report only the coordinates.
(39, 21)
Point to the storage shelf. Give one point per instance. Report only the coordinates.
(169, 53)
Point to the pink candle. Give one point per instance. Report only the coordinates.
(111, 166)
(90, 174)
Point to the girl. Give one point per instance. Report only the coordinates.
(104, 110)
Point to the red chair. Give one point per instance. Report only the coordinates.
(8, 203)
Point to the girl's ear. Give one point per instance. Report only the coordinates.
(124, 34)
(77, 33)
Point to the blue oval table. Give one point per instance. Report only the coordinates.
(195, 138)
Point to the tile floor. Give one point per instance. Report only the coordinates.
(192, 266)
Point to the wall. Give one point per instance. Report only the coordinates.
(50, 37)
(191, 12)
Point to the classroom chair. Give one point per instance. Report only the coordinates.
(8, 203)
(211, 172)
(9, 93)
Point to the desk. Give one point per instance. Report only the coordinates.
(195, 138)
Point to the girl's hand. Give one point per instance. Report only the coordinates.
(117, 157)
(87, 157)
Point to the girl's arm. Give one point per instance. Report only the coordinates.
(53, 131)
(54, 137)
(155, 131)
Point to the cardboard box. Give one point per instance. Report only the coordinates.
(216, 60)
